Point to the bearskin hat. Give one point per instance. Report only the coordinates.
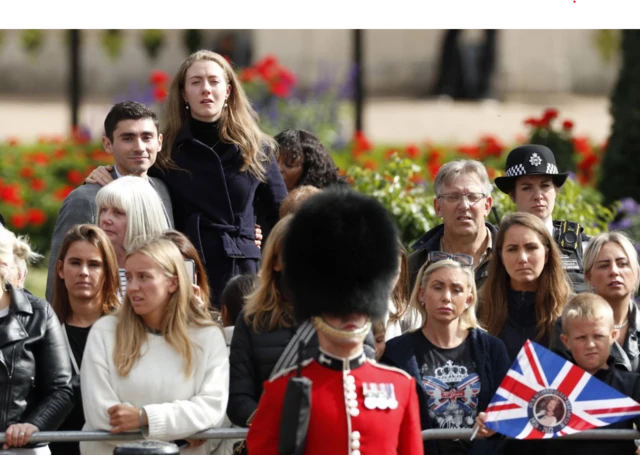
(340, 255)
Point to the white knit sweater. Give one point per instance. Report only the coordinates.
(176, 406)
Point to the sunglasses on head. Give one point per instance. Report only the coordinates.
(464, 259)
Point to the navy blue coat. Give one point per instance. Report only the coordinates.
(492, 364)
(213, 205)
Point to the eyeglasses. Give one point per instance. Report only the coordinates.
(463, 259)
(455, 198)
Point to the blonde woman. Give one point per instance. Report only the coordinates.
(401, 317)
(85, 288)
(262, 331)
(23, 255)
(159, 364)
(35, 371)
(450, 352)
(613, 272)
(527, 287)
(129, 210)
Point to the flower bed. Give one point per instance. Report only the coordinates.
(35, 178)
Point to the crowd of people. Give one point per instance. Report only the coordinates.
(216, 277)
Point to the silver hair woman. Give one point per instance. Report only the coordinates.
(129, 211)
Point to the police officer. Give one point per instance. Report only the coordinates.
(340, 259)
(532, 182)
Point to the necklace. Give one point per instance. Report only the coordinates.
(621, 326)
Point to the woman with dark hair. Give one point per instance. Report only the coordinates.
(85, 289)
(303, 160)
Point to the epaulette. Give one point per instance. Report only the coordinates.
(389, 368)
(286, 371)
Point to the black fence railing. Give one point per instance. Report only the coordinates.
(239, 433)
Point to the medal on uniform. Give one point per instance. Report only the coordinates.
(383, 398)
(393, 403)
(369, 395)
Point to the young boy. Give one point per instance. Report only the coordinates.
(588, 332)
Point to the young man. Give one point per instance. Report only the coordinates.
(340, 258)
(132, 137)
(588, 333)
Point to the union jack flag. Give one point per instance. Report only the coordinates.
(545, 396)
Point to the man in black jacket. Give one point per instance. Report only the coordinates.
(463, 200)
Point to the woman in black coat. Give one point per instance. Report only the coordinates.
(35, 371)
(220, 168)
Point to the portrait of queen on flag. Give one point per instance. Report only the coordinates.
(546, 396)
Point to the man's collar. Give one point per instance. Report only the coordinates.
(340, 363)
(118, 174)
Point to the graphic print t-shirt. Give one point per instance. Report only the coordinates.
(452, 386)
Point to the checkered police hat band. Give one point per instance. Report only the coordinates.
(518, 169)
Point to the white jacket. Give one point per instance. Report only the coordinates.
(176, 406)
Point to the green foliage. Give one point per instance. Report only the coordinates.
(153, 40)
(192, 40)
(410, 201)
(32, 41)
(112, 42)
(411, 205)
(35, 179)
(619, 172)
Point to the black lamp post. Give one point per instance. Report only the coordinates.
(74, 77)
(359, 79)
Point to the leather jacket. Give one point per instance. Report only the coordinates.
(35, 370)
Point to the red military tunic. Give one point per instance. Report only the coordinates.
(342, 422)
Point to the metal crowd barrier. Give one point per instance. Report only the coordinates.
(239, 433)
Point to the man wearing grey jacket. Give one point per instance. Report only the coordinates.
(132, 137)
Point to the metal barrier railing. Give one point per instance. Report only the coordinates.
(73, 436)
(239, 433)
(588, 434)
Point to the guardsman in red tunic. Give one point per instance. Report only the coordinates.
(340, 261)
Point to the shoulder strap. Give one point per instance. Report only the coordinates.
(288, 357)
(73, 359)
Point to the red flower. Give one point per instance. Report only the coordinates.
(18, 220)
(413, 151)
(99, 156)
(492, 146)
(434, 168)
(582, 145)
(37, 184)
(370, 164)
(248, 74)
(57, 139)
(160, 93)
(36, 217)
(491, 172)
(267, 67)
(13, 141)
(158, 77)
(361, 144)
(472, 151)
(550, 114)
(280, 89)
(61, 193)
(531, 121)
(416, 178)
(389, 153)
(567, 125)
(26, 172)
(287, 76)
(10, 194)
(59, 154)
(75, 177)
(40, 158)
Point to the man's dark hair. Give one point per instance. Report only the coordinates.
(127, 110)
(235, 293)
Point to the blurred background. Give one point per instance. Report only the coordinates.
(391, 106)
